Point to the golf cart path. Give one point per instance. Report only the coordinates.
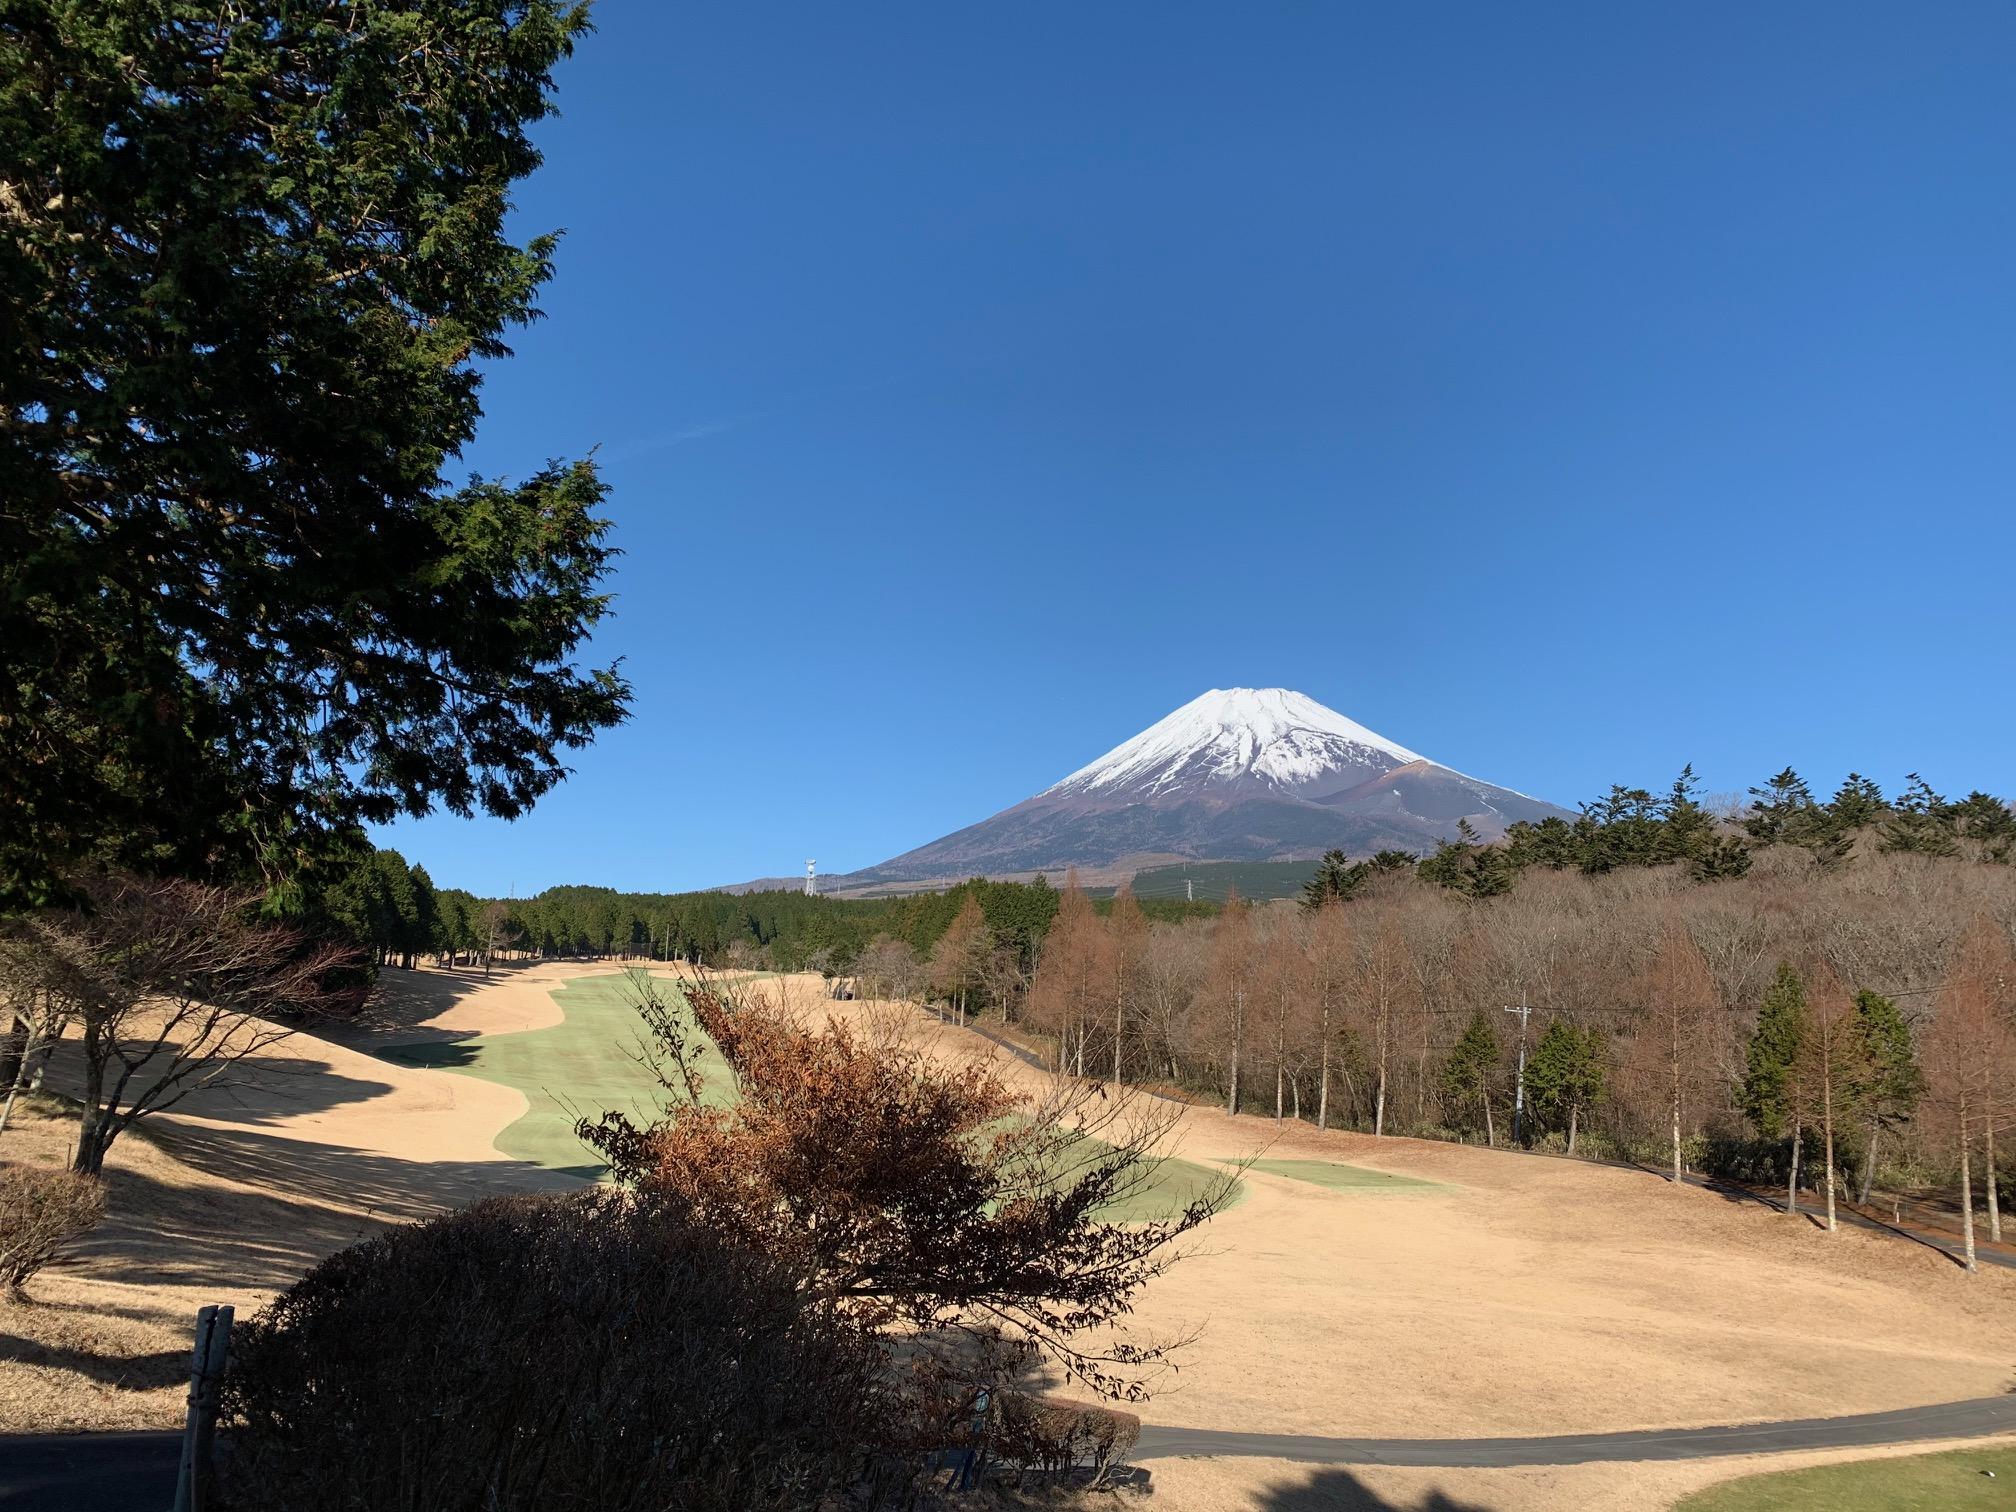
(111, 1472)
(1976, 1418)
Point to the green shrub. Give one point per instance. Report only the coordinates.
(43, 1209)
(553, 1353)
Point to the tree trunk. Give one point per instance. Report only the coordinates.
(1490, 1130)
(1792, 1183)
(1966, 1190)
(1676, 1121)
(1827, 1134)
(1119, 1018)
(1869, 1161)
(1280, 1069)
(1295, 1097)
(1238, 1034)
(1323, 1074)
(1572, 1112)
(1988, 1176)
(1379, 1103)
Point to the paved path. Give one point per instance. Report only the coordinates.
(1972, 1419)
(88, 1472)
(122, 1472)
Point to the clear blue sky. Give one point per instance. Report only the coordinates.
(1566, 391)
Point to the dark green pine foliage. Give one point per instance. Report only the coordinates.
(1552, 843)
(1857, 804)
(1686, 829)
(1468, 866)
(1337, 880)
(1387, 862)
(1565, 1077)
(1987, 821)
(1622, 828)
(1469, 1076)
(1725, 857)
(1922, 822)
(255, 258)
(1884, 1081)
(1783, 812)
(1886, 1078)
(1773, 1053)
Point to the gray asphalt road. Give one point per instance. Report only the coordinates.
(1972, 1419)
(122, 1472)
(88, 1472)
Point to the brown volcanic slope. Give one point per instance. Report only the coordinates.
(1239, 774)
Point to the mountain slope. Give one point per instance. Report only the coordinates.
(1238, 774)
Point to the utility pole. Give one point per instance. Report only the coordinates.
(1524, 1011)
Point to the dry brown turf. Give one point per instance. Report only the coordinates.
(1518, 1296)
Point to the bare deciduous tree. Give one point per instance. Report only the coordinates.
(172, 987)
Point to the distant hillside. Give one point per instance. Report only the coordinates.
(1210, 881)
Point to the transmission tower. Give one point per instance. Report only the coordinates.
(811, 879)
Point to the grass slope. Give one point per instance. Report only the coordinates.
(1342, 1178)
(1950, 1482)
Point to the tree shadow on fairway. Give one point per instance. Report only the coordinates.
(1333, 1489)
(438, 1055)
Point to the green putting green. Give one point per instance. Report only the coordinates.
(1961, 1480)
(1342, 1178)
(1173, 1186)
(581, 1067)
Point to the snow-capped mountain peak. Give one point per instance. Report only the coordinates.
(1272, 736)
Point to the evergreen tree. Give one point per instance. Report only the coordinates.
(1336, 880)
(1782, 811)
(1857, 804)
(1921, 823)
(1686, 830)
(1552, 843)
(255, 257)
(1492, 873)
(1778, 1069)
(1726, 857)
(1885, 1081)
(1621, 829)
(1468, 1076)
(1769, 1092)
(1468, 866)
(1565, 1076)
(1986, 820)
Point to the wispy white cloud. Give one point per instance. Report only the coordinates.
(664, 439)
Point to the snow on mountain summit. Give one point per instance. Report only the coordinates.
(1274, 735)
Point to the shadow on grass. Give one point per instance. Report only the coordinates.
(145, 1372)
(1337, 1490)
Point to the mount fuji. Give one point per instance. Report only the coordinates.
(1237, 774)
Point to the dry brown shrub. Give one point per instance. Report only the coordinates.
(553, 1353)
(1052, 1434)
(42, 1211)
